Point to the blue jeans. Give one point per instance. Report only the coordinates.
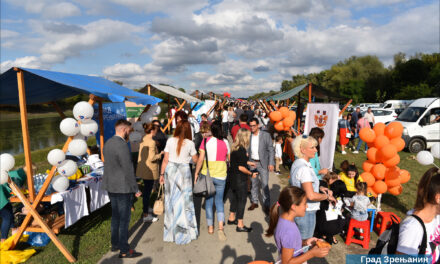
(7, 219)
(121, 212)
(148, 186)
(306, 224)
(218, 200)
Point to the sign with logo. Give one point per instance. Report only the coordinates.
(111, 113)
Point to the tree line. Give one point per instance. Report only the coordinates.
(366, 79)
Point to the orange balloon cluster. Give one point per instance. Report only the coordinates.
(380, 170)
(283, 119)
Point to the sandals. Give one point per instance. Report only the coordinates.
(210, 231)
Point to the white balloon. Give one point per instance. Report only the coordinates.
(139, 127)
(83, 111)
(60, 183)
(69, 127)
(88, 127)
(67, 168)
(56, 157)
(146, 117)
(157, 112)
(435, 150)
(4, 177)
(77, 147)
(425, 157)
(80, 136)
(7, 161)
(135, 137)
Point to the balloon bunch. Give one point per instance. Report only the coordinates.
(138, 127)
(226, 94)
(283, 119)
(7, 162)
(380, 170)
(425, 157)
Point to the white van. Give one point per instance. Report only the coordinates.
(397, 105)
(421, 124)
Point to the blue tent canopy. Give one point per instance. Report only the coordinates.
(47, 86)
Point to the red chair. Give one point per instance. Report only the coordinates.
(384, 220)
(260, 262)
(365, 226)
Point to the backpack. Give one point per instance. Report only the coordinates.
(387, 242)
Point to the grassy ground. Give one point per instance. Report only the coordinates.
(6, 115)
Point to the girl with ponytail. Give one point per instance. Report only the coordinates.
(292, 203)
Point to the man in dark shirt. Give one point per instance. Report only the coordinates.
(241, 124)
(248, 112)
(160, 137)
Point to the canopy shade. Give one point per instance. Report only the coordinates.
(173, 92)
(46, 86)
(317, 91)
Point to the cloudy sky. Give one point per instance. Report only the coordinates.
(239, 46)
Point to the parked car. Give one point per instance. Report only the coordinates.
(397, 105)
(421, 124)
(382, 115)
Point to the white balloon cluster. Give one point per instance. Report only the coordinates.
(138, 128)
(65, 168)
(7, 162)
(427, 158)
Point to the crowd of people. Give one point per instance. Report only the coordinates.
(238, 149)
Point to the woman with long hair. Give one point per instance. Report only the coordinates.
(344, 130)
(239, 178)
(427, 209)
(291, 204)
(217, 154)
(318, 134)
(148, 167)
(180, 225)
(303, 176)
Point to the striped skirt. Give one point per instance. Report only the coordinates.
(180, 225)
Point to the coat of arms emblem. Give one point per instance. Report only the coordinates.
(321, 119)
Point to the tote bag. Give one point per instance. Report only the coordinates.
(204, 185)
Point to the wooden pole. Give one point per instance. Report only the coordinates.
(148, 89)
(345, 107)
(41, 222)
(25, 133)
(272, 103)
(170, 120)
(310, 92)
(101, 129)
(298, 114)
(268, 105)
(58, 109)
(194, 106)
(210, 109)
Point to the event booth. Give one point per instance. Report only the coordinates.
(41, 86)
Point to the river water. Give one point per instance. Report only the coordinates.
(43, 133)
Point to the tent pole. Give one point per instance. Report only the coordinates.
(58, 109)
(310, 92)
(298, 114)
(345, 107)
(148, 89)
(170, 120)
(169, 113)
(101, 129)
(25, 133)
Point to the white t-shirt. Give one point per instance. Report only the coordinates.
(301, 172)
(173, 122)
(278, 151)
(186, 152)
(254, 146)
(369, 117)
(225, 116)
(411, 235)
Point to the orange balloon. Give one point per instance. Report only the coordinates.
(371, 192)
(381, 141)
(367, 166)
(378, 171)
(396, 190)
(379, 129)
(287, 128)
(392, 178)
(404, 176)
(392, 162)
(399, 143)
(388, 151)
(292, 114)
(394, 130)
(284, 111)
(288, 122)
(279, 126)
(275, 116)
(371, 155)
(370, 145)
(367, 134)
(380, 187)
(368, 178)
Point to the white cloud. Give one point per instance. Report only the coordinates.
(4, 33)
(25, 62)
(175, 7)
(47, 8)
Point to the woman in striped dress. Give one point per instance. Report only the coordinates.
(180, 225)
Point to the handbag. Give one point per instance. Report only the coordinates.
(204, 185)
(158, 207)
(348, 134)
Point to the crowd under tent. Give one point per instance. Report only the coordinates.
(41, 86)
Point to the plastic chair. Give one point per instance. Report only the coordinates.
(373, 214)
(260, 262)
(384, 220)
(365, 226)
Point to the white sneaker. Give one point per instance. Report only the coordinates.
(365, 151)
(355, 152)
(150, 219)
(343, 152)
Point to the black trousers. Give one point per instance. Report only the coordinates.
(238, 199)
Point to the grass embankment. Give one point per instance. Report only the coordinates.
(8, 116)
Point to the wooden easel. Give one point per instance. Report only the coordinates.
(170, 119)
(31, 202)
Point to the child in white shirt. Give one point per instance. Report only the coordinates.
(278, 153)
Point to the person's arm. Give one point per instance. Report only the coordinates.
(288, 258)
(312, 195)
(199, 164)
(271, 152)
(152, 154)
(164, 165)
(124, 157)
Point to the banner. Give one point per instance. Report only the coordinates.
(203, 108)
(111, 112)
(324, 116)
